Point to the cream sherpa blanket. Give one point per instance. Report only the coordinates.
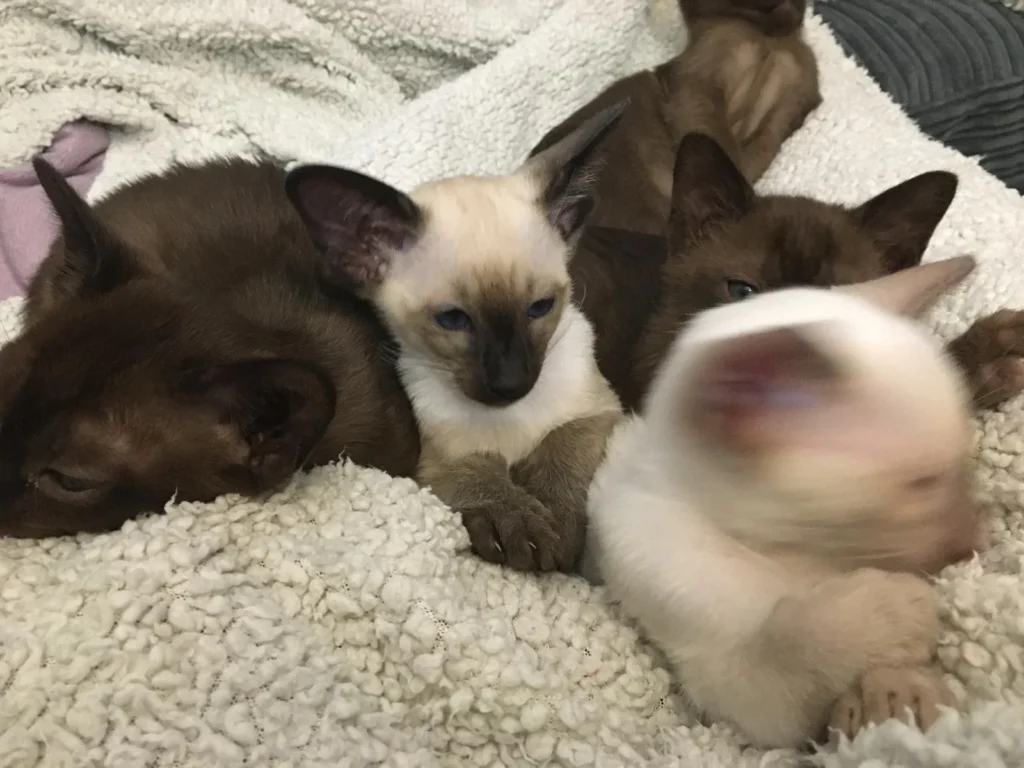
(343, 623)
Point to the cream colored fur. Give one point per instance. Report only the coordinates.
(734, 575)
(477, 227)
(489, 230)
(569, 387)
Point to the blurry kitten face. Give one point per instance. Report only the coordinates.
(480, 294)
(869, 473)
(834, 428)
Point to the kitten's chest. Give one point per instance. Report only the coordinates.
(514, 439)
(458, 429)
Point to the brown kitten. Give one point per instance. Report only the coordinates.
(179, 343)
(726, 243)
(746, 78)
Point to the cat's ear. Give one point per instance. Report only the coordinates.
(281, 409)
(745, 387)
(707, 190)
(903, 219)
(357, 222)
(566, 173)
(95, 261)
(913, 291)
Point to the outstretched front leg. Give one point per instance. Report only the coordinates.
(813, 648)
(742, 85)
(788, 91)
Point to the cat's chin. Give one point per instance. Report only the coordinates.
(495, 400)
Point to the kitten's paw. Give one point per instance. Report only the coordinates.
(911, 694)
(891, 619)
(523, 535)
(991, 354)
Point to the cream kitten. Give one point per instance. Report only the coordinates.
(471, 275)
(801, 455)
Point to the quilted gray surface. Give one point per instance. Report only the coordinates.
(956, 66)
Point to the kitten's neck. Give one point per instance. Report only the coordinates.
(689, 469)
(569, 387)
(726, 499)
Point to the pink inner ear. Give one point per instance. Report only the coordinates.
(752, 381)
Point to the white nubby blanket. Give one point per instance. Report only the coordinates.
(344, 623)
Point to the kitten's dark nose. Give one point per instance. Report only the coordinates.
(510, 381)
(507, 373)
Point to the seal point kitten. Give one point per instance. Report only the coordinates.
(471, 274)
(802, 460)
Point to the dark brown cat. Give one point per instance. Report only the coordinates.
(746, 78)
(726, 242)
(179, 343)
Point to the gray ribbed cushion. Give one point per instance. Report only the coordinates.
(956, 66)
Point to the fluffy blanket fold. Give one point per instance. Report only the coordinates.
(343, 622)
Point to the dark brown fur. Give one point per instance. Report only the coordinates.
(746, 78)
(724, 237)
(773, 17)
(991, 354)
(531, 516)
(178, 342)
(559, 470)
(507, 524)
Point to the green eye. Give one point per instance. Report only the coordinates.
(740, 289)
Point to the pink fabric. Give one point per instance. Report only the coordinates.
(28, 225)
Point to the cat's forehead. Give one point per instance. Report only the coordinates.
(807, 241)
(127, 341)
(482, 228)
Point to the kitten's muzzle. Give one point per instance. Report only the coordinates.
(508, 375)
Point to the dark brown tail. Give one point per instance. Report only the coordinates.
(772, 17)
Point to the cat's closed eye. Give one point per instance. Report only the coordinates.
(738, 290)
(56, 483)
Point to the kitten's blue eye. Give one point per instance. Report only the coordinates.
(740, 289)
(540, 308)
(453, 319)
